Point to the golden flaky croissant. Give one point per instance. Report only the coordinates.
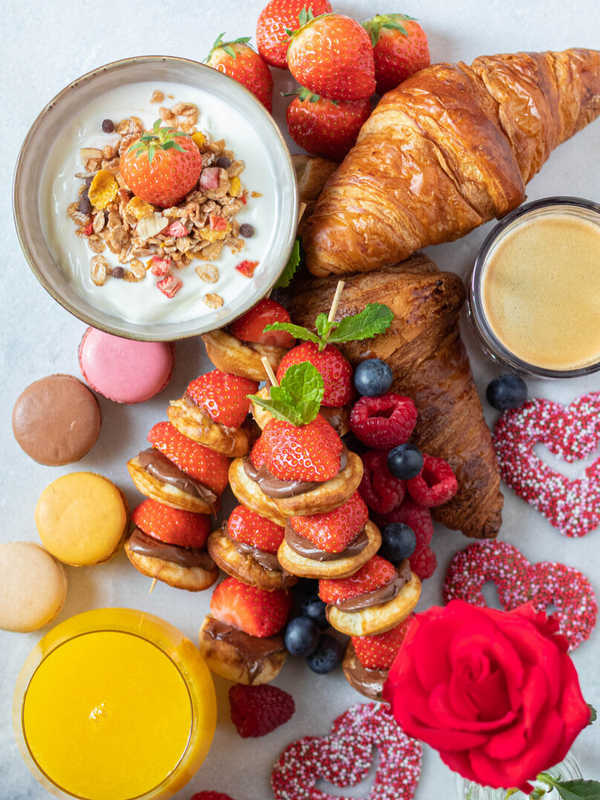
(431, 366)
(449, 149)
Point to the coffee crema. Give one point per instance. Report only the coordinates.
(540, 290)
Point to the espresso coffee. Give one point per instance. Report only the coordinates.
(540, 290)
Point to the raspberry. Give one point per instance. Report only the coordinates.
(424, 563)
(417, 518)
(378, 488)
(434, 485)
(210, 796)
(258, 710)
(384, 422)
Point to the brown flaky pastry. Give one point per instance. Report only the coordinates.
(450, 148)
(338, 418)
(193, 579)
(377, 619)
(245, 567)
(163, 493)
(229, 354)
(238, 657)
(431, 366)
(193, 422)
(337, 568)
(329, 495)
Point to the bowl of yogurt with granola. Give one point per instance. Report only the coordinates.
(150, 261)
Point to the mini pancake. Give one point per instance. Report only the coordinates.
(229, 354)
(245, 567)
(368, 682)
(196, 424)
(193, 579)
(158, 490)
(339, 568)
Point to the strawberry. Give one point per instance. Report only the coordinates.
(206, 466)
(335, 369)
(375, 573)
(210, 796)
(254, 611)
(247, 267)
(334, 530)
(171, 525)
(250, 326)
(223, 396)
(258, 710)
(162, 166)
(169, 286)
(379, 651)
(400, 48)
(250, 528)
(276, 19)
(238, 60)
(326, 128)
(305, 453)
(332, 56)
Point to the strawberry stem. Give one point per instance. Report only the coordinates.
(158, 139)
(226, 46)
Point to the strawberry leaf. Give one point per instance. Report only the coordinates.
(374, 319)
(298, 398)
(593, 714)
(290, 268)
(227, 48)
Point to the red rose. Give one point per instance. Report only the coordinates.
(493, 691)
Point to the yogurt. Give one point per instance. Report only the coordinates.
(142, 302)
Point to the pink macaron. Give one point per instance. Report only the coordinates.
(124, 370)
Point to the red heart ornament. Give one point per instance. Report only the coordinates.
(519, 582)
(345, 756)
(571, 433)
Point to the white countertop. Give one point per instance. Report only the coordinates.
(45, 45)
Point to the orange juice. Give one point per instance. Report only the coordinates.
(118, 706)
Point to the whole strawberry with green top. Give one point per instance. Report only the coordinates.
(162, 166)
(400, 48)
(238, 60)
(332, 56)
(276, 20)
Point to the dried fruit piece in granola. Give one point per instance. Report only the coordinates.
(103, 190)
(247, 268)
(235, 186)
(151, 225)
(198, 139)
(139, 208)
(160, 266)
(170, 285)
(176, 229)
(99, 268)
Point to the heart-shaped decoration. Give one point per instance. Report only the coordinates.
(571, 433)
(345, 756)
(518, 582)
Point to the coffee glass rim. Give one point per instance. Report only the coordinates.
(490, 342)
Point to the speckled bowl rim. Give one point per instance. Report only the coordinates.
(19, 193)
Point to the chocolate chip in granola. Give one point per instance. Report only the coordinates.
(223, 162)
(108, 126)
(246, 230)
(118, 272)
(84, 205)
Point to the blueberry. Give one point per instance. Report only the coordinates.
(405, 462)
(373, 377)
(314, 608)
(506, 391)
(301, 636)
(327, 657)
(398, 542)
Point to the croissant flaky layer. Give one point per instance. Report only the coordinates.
(450, 148)
(431, 366)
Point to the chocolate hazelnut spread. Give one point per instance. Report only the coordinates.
(368, 682)
(381, 595)
(188, 557)
(273, 487)
(254, 650)
(305, 548)
(264, 558)
(161, 467)
(336, 417)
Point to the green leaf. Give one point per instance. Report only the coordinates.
(324, 326)
(290, 268)
(156, 126)
(593, 714)
(151, 151)
(282, 411)
(374, 319)
(298, 398)
(396, 26)
(573, 790)
(229, 50)
(297, 331)
(510, 793)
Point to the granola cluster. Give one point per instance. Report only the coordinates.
(109, 216)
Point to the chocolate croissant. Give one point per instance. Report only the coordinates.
(431, 366)
(450, 148)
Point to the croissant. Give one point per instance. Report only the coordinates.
(431, 366)
(450, 148)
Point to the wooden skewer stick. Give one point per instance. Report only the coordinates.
(154, 580)
(336, 301)
(301, 210)
(269, 371)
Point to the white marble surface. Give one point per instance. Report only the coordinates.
(45, 46)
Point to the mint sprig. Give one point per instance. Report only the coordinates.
(374, 319)
(298, 398)
(290, 268)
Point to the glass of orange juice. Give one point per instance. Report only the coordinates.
(114, 704)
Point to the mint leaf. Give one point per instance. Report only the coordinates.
(290, 268)
(573, 790)
(297, 331)
(280, 410)
(593, 714)
(298, 398)
(375, 318)
(324, 326)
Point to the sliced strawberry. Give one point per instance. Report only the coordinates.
(375, 573)
(176, 229)
(251, 326)
(223, 396)
(334, 530)
(379, 652)
(307, 453)
(335, 369)
(206, 466)
(250, 528)
(249, 609)
(171, 525)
